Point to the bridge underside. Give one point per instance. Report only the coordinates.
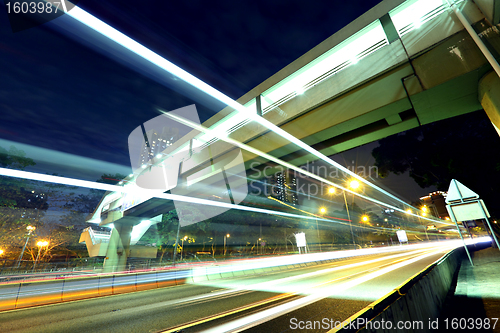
(438, 83)
(428, 74)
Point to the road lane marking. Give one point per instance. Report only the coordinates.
(288, 295)
(252, 320)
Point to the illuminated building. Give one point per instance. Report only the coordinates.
(156, 143)
(436, 204)
(283, 186)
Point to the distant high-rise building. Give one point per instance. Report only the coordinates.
(156, 143)
(436, 204)
(283, 186)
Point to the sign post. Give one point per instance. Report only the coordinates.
(300, 238)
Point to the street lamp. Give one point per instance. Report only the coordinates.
(226, 236)
(40, 244)
(364, 218)
(322, 210)
(182, 247)
(1, 252)
(30, 230)
(354, 184)
(259, 246)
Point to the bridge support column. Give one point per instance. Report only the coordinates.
(118, 248)
(489, 97)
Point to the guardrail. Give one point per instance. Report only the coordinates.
(30, 293)
(21, 294)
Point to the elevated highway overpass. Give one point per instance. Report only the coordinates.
(400, 65)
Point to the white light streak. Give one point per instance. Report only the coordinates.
(120, 38)
(260, 317)
(126, 189)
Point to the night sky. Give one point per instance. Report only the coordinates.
(61, 93)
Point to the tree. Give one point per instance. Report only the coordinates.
(462, 148)
(14, 159)
(22, 203)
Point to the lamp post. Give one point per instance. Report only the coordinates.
(259, 247)
(424, 214)
(226, 236)
(30, 230)
(353, 184)
(322, 210)
(182, 247)
(40, 244)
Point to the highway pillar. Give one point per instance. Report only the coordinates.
(489, 97)
(118, 248)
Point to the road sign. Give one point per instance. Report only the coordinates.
(463, 204)
(300, 238)
(402, 236)
(472, 210)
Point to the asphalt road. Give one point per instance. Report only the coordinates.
(269, 302)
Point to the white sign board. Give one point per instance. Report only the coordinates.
(467, 211)
(402, 236)
(300, 238)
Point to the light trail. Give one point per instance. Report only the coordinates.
(162, 63)
(250, 264)
(265, 286)
(120, 189)
(255, 319)
(258, 152)
(89, 288)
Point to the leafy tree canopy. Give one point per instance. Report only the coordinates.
(14, 158)
(463, 148)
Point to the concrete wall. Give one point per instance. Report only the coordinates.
(420, 298)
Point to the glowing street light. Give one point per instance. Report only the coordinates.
(364, 218)
(354, 184)
(408, 211)
(40, 244)
(1, 252)
(331, 190)
(322, 210)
